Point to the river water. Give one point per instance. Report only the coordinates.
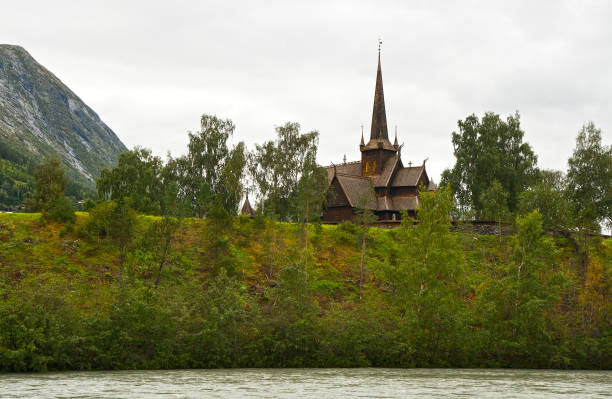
(311, 383)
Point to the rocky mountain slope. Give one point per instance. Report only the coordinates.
(40, 116)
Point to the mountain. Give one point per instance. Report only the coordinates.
(39, 117)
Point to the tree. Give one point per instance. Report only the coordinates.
(494, 202)
(549, 197)
(121, 226)
(211, 170)
(487, 150)
(277, 167)
(50, 185)
(311, 194)
(589, 178)
(532, 259)
(158, 239)
(423, 281)
(365, 217)
(138, 176)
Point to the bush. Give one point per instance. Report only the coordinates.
(61, 211)
(67, 229)
(88, 205)
(99, 220)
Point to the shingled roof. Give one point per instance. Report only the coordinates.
(246, 207)
(357, 190)
(349, 168)
(407, 176)
(383, 179)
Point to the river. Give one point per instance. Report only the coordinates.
(310, 383)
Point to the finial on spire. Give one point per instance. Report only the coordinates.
(362, 142)
(379, 117)
(395, 143)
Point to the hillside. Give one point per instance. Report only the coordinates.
(39, 117)
(247, 294)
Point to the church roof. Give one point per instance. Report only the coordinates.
(379, 116)
(389, 167)
(349, 168)
(407, 176)
(379, 134)
(358, 190)
(246, 207)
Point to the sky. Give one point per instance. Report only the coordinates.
(150, 69)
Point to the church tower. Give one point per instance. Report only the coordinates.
(379, 149)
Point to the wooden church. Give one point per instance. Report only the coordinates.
(379, 181)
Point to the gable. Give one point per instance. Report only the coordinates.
(336, 195)
(358, 190)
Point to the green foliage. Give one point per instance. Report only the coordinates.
(277, 168)
(50, 185)
(549, 197)
(431, 298)
(88, 205)
(99, 219)
(211, 171)
(589, 175)
(158, 240)
(121, 226)
(494, 202)
(60, 210)
(137, 176)
(486, 150)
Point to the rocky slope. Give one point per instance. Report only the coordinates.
(40, 116)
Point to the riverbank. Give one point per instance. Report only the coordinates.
(251, 294)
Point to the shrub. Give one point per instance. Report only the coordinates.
(61, 211)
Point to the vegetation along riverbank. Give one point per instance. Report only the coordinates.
(242, 292)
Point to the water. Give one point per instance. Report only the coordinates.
(310, 383)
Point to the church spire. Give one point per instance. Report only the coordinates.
(379, 117)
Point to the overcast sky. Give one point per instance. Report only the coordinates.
(151, 68)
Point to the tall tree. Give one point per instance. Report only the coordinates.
(424, 281)
(137, 176)
(487, 150)
(212, 170)
(277, 167)
(494, 202)
(589, 178)
(121, 226)
(365, 217)
(549, 197)
(50, 184)
(311, 192)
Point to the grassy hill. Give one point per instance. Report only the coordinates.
(250, 295)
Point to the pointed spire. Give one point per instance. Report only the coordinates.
(246, 207)
(362, 142)
(379, 117)
(395, 142)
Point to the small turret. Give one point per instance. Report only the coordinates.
(395, 142)
(246, 207)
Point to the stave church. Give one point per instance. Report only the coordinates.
(379, 181)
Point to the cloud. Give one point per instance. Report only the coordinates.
(150, 69)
